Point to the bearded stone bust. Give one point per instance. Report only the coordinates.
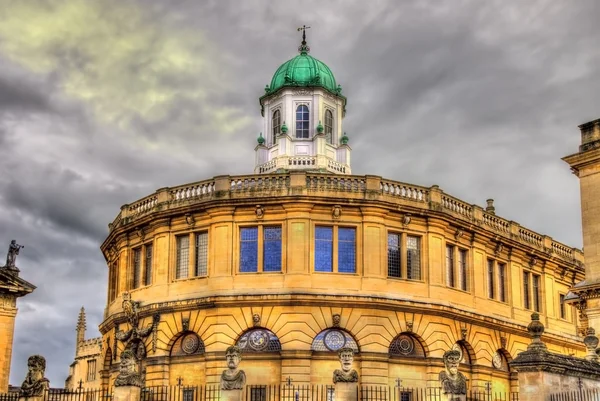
(233, 378)
(346, 374)
(128, 371)
(454, 383)
(35, 384)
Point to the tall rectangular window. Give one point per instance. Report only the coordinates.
(148, 265)
(413, 257)
(183, 257)
(346, 250)
(272, 249)
(536, 293)
(463, 273)
(137, 267)
(113, 273)
(323, 249)
(491, 284)
(502, 282)
(249, 249)
(394, 256)
(450, 266)
(201, 265)
(526, 296)
(91, 372)
(561, 306)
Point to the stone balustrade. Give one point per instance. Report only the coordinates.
(351, 186)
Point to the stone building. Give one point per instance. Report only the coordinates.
(11, 288)
(302, 258)
(84, 372)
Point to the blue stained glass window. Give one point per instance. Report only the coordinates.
(272, 249)
(249, 249)
(346, 250)
(302, 122)
(324, 249)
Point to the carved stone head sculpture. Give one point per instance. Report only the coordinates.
(128, 371)
(452, 381)
(346, 374)
(233, 378)
(35, 383)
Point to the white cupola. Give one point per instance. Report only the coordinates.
(302, 111)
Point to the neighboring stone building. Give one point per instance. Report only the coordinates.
(301, 258)
(11, 288)
(84, 372)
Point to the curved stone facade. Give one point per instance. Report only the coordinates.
(244, 260)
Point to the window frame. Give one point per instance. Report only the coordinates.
(141, 266)
(500, 281)
(328, 126)
(91, 373)
(404, 255)
(335, 248)
(533, 294)
(562, 307)
(192, 237)
(457, 267)
(296, 121)
(260, 247)
(275, 128)
(113, 280)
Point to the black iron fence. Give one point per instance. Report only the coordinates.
(283, 392)
(65, 395)
(315, 392)
(579, 395)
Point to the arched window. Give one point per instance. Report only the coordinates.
(407, 345)
(188, 343)
(329, 126)
(259, 340)
(466, 351)
(331, 340)
(302, 122)
(500, 360)
(276, 124)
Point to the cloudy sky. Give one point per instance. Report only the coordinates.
(102, 102)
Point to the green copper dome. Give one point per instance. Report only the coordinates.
(303, 70)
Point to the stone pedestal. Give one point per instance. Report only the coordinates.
(346, 391)
(230, 395)
(126, 393)
(36, 398)
(453, 397)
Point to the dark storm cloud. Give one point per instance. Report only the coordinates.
(481, 98)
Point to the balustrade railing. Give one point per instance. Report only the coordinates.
(405, 191)
(562, 250)
(268, 166)
(530, 236)
(143, 205)
(348, 183)
(335, 166)
(457, 206)
(496, 223)
(255, 183)
(191, 191)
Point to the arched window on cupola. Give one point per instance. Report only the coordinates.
(276, 124)
(302, 122)
(329, 126)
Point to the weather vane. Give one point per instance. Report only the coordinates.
(303, 49)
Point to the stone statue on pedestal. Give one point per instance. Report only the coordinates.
(233, 378)
(35, 384)
(453, 383)
(128, 371)
(11, 256)
(346, 374)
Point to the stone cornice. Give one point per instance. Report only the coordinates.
(371, 192)
(367, 302)
(544, 361)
